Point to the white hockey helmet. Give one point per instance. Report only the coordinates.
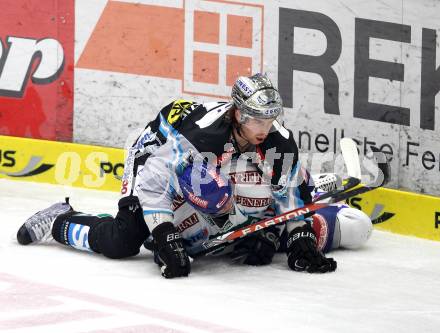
(256, 97)
(355, 227)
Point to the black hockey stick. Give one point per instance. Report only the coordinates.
(219, 243)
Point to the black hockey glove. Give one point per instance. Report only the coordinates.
(169, 251)
(302, 252)
(257, 249)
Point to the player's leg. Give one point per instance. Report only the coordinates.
(355, 227)
(124, 235)
(341, 226)
(117, 237)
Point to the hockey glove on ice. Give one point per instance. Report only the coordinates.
(169, 250)
(302, 252)
(257, 249)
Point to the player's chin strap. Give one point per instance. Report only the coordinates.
(217, 244)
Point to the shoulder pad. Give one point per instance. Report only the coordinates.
(178, 110)
(214, 110)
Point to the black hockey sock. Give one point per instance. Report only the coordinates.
(73, 230)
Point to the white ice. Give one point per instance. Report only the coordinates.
(390, 285)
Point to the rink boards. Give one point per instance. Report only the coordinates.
(402, 212)
(95, 167)
(91, 167)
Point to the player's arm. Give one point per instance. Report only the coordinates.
(292, 188)
(301, 242)
(149, 176)
(155, 188)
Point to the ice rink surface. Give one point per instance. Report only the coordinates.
(390, 285)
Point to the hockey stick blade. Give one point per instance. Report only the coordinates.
(383, 166)
(351, 157)
(382, 179)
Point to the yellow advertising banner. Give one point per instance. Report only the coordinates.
(101, 168)
(401, 212)
(61, 163)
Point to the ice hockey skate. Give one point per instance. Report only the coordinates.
(38, 227)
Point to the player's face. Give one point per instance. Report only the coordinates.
(255, 130)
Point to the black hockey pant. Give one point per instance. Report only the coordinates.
(115, 238)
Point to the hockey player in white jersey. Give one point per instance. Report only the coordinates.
(335, 226)
(249, 128)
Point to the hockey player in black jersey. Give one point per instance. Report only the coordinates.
(248, 130)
